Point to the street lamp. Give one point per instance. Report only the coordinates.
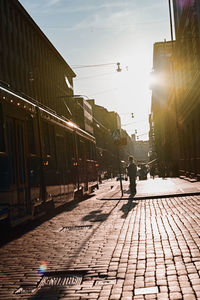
(118, 67)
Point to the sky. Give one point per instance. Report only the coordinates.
(93, 36)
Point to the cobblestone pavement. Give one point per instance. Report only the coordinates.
(109, 249)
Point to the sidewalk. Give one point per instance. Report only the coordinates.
(155, 188)
(99, 249)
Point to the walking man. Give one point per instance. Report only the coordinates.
(132, 173)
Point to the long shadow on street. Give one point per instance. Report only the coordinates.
(127, 207)
(7, 233)
(53, 292)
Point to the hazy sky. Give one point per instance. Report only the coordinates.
(98, 32)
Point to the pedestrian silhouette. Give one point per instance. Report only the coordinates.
(132, 174)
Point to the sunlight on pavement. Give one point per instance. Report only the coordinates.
(156, 185)
(162, 186)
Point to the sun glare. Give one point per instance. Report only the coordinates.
(157, 79)
(153, 80)
(133, 94)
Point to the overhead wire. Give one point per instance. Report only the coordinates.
(91, 66)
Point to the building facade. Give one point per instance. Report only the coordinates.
(163, 136)
(30, 64)
(175, 123)
(80, 112)
(140, 150)
(103, 124)
(187, 73)
(106, 124)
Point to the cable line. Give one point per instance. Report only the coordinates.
(91, 66)
(99, 65)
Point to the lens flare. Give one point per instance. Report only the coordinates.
(43, 267)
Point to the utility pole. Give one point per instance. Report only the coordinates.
(170, 19)
(120, 177)
(117, 142)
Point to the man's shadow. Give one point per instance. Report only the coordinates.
(96, 216)
(126, 208)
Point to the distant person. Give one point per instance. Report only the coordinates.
(100, 180)
(152, 171)
(132, 174)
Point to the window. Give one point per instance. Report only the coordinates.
(89, 150)
(20, 152)
(52, 140)
(2, 133)
(61, 154)
(48, 139)
(31, 135)
(81, 148)
(93, 151)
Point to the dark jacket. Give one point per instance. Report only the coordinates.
(132, 170)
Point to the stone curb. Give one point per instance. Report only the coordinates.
(154, 196)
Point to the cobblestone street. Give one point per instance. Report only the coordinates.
(110, 249)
